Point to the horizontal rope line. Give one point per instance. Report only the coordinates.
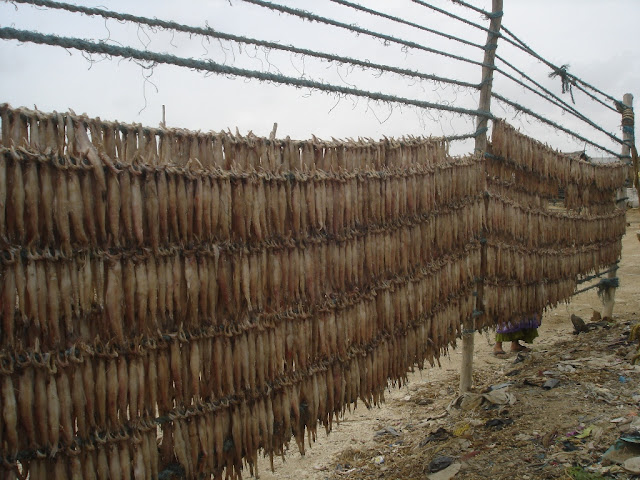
(597, 275)
(601, 285)
(554, 98)
(127, 52)
(209, 32)
(551, 123)
(473, 7)
(406, 22)
(524, 47)
(515, 41)
(388, 38)
(454, 16)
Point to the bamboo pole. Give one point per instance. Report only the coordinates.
(469, 327)
(609, 296)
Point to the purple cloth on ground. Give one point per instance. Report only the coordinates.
(515, 325)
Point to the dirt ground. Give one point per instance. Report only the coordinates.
(519, 431)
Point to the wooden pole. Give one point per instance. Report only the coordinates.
(164, 119)
(469, 324)
(609, 296)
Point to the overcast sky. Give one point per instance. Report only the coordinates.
(593, 36)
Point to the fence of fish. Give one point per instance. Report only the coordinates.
(172, 300)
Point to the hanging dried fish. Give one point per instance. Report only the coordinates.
(141, 296)
(67, 430)
(53, 415)
(9, 415)
(114, 297)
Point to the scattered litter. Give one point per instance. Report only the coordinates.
(439, 463)
(437, 436)
(498, 423)
(500, 386)
(521, 357)
(379, 460)
(622, 450)
(500, 397)
(623, 379)
(569, 446)
(387, 431)
(632, 465)
(461, 430)
(586, 432)
(447, 473)
(551, 383)
(566, 368)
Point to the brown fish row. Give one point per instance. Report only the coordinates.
(596, 201)
(56, 329)
(44, 205)
(528, 188)
(536, 157)
(70, 134)
(509, 262)
(510, 189)
(503, 301)
(545, 228)
(122, 388)
(147, 291)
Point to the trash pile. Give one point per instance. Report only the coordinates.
(567, 410)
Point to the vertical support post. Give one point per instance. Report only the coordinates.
(469, 324)
(609, 296)
(164, 119)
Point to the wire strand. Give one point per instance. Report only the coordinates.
(406, 22)
(473, 7)
(387, 38)
(554, 98)
(526, 48)
(453, 15)
(209, 32)
(210, 66)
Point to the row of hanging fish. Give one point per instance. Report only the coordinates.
(516, 263)
(59, 298)
(545, 162)
(179, 302)
(122, 144)
(47, 201)
(543, 228)
(101, 396)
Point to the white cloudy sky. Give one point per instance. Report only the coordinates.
(595, 37)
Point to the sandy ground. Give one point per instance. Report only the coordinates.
(353, 450)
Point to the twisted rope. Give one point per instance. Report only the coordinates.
(387, 38)
(552, 98)
(210, 66)
(209, 32)
(355, 6)
(526, 48)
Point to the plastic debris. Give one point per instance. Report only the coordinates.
(551, 383)
(632, 465)
(446, 474)
(439, 463)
